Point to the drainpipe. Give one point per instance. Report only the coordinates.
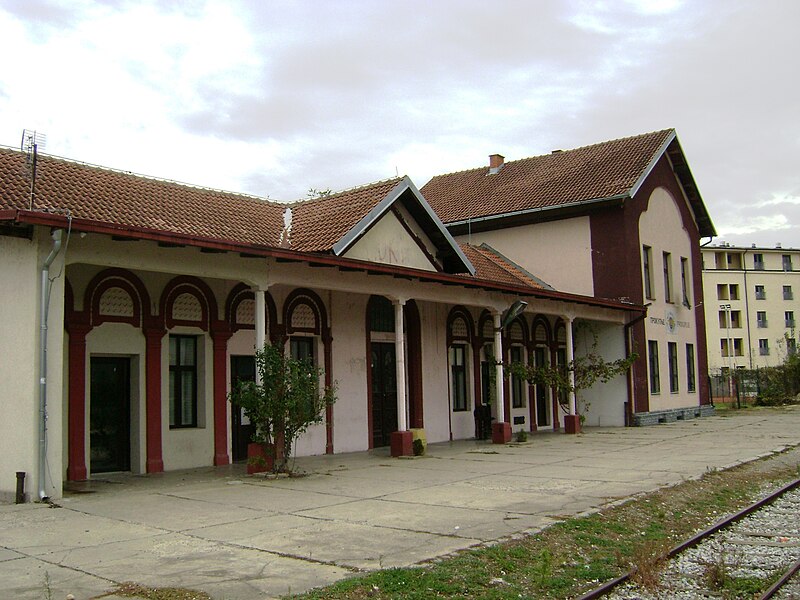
(44, 306)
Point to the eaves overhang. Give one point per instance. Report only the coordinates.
(54, 220)
(528, 215)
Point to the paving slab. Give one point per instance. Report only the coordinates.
(242, 537)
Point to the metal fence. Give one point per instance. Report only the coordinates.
(768, 385)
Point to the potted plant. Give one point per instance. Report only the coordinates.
(286, 400)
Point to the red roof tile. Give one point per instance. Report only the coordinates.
(318, 224)
(492, 267)
(120, 198)
(598, 171)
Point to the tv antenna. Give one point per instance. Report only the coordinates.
(32, 141)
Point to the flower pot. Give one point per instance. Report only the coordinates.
(260, 458)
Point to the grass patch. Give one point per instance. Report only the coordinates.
(577, 554)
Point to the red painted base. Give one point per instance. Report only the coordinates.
(572, 424)
(501, 433)
(76, 474)
(221, 460)
(260, 458)
(155, 465)
(402, 443)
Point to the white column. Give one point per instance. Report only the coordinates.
(261, 322)
(498, 373)
(570, 358)
(400, 360)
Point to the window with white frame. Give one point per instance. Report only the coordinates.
(517, 382)
(789, 318)
(758, 262)
(667, 258)
(652, 356)
(672, 350)
(787, 293)
(647, 264)
(458, 377)
(761, 319)
(763, 346)
(690, 368)
(761, 293)
(182, 381)
(685, 282)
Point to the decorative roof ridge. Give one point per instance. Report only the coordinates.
(561, 152)
(184, 184)
(337, 194)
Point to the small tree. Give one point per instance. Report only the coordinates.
(286, 402)
(588, 368)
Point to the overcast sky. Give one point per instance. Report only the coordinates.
(273, 98)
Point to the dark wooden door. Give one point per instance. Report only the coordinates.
(110, 414)
(243, 368)
(384, 393)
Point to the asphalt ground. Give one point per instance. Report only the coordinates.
(240, 537)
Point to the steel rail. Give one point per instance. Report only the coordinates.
(604, 589)
(781, 582)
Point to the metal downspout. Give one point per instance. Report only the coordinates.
(44, 309)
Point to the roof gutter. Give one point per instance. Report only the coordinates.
(283, 254)
(543, 209)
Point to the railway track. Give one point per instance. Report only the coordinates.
(737, 557)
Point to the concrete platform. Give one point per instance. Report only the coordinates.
(241, 537)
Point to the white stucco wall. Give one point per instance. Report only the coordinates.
(20, 273)
(558, 252)
(389, 242)
(435, 371)
(18, 394)
(351, 429)
(661, 228)
(604, 403)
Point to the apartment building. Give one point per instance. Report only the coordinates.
(751, 304)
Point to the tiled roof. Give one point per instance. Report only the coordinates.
(318, 224)
(598, 171)
(120, 198)
(492, 267)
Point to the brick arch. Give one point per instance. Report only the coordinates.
(237, 295)
(187, 284)
(124, 280)
(305, 297)
(460, 312)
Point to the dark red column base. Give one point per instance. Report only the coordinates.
(402, 443)
(155, 465)
(221, 460)
(76, 474)
(572, 424)
(501, 433)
